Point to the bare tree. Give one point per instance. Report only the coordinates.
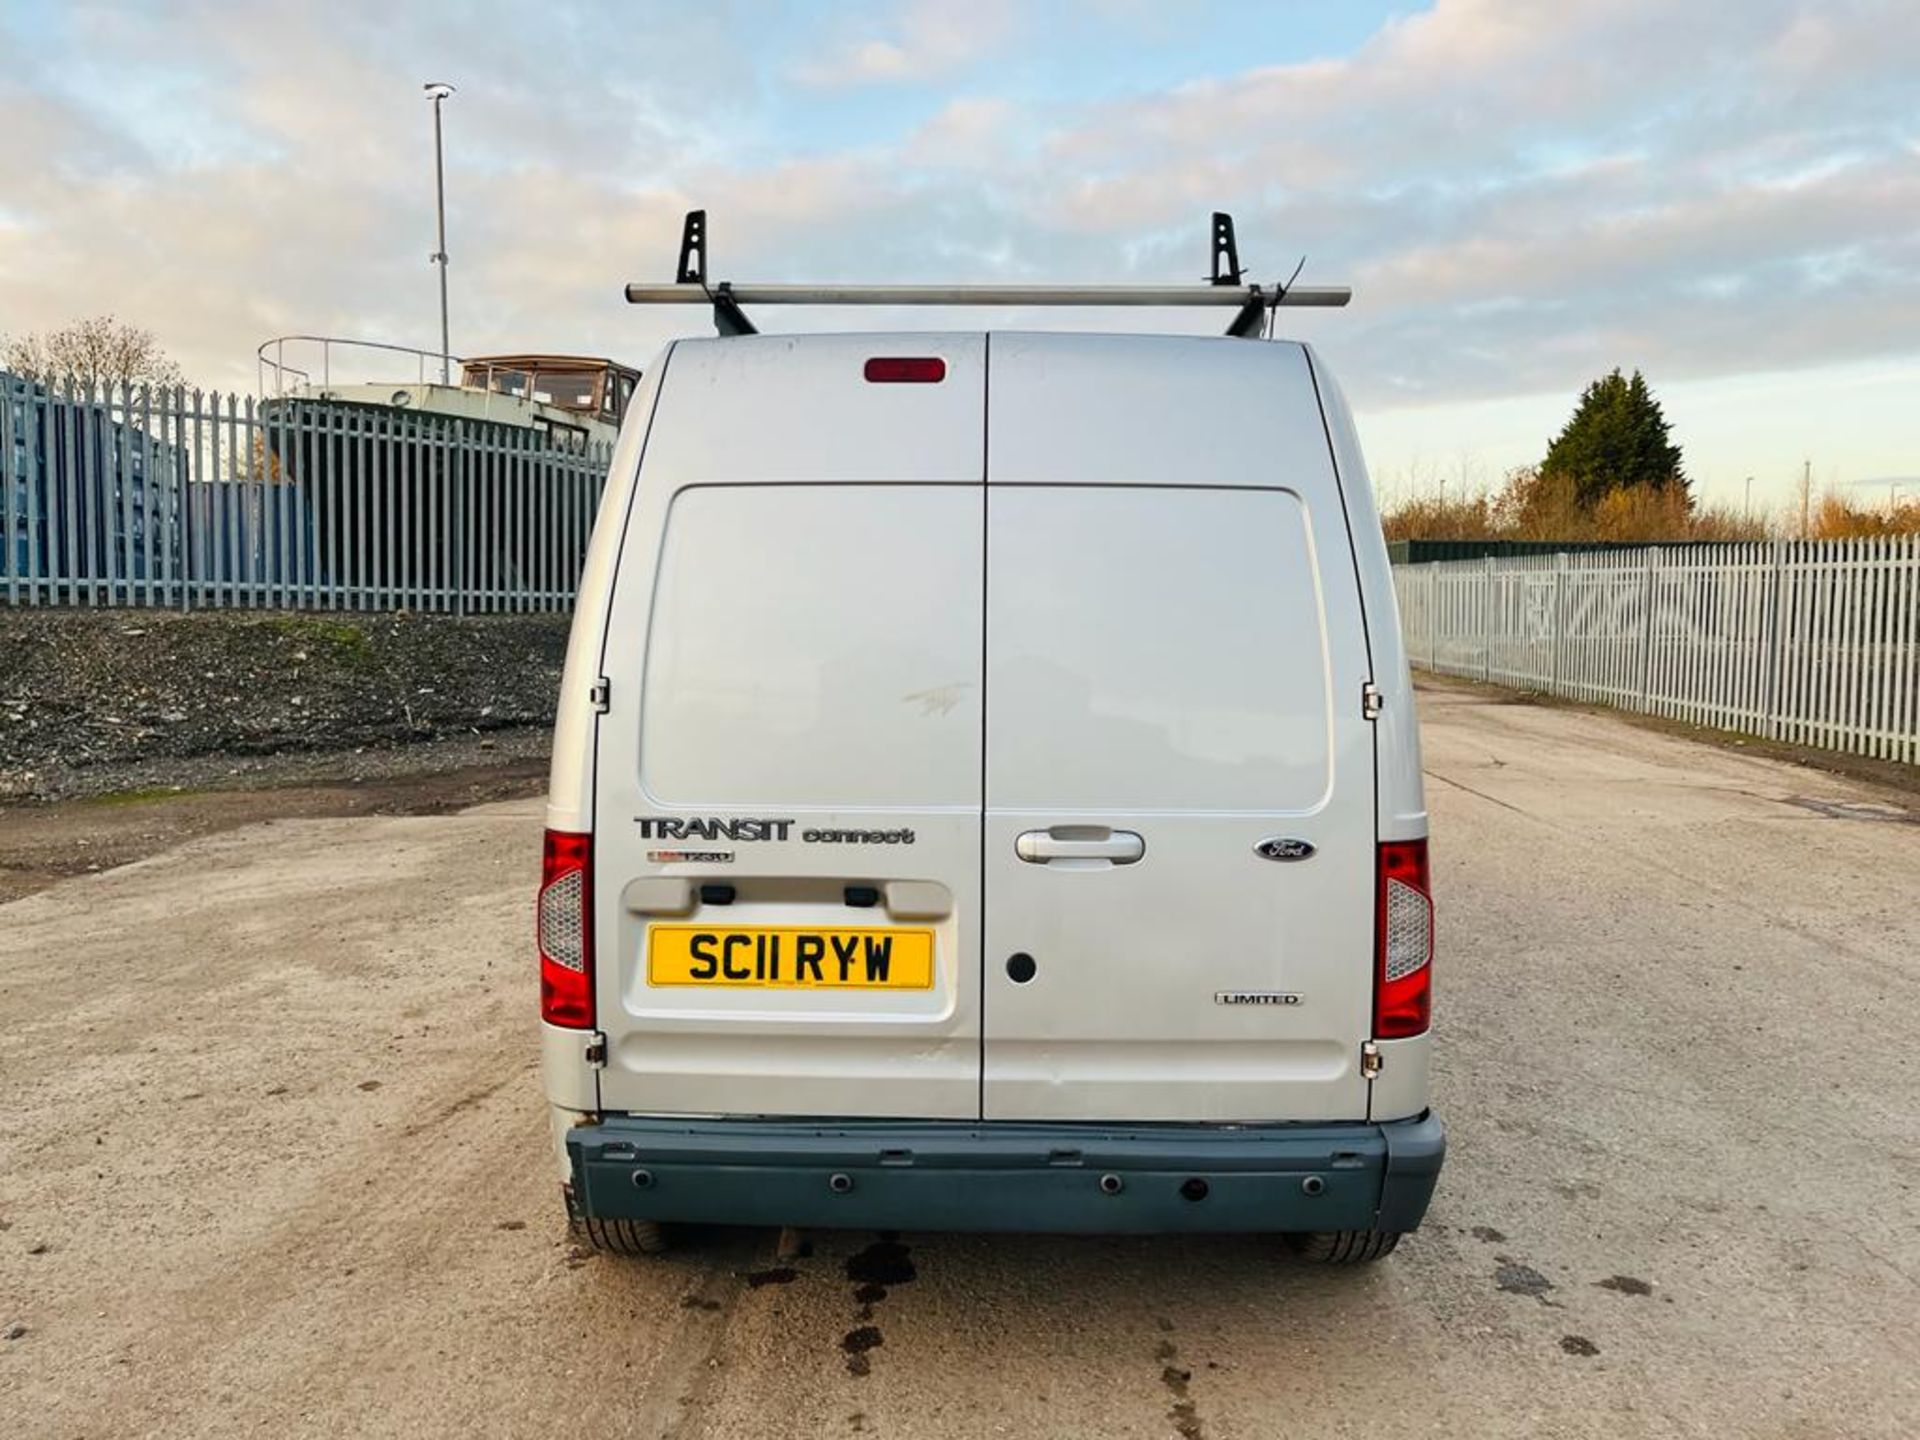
(96, 351)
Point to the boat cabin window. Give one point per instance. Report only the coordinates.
(592, 389)
(500, 380)
(569, 389)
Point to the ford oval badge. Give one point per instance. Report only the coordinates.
(1280, 847)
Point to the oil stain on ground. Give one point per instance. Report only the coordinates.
(1183, 1413)
(885, 1262)
(873, 1271)
(857, 1343)
(1517, 1279)
(1625, 1284)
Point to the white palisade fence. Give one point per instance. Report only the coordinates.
(1813, 642)
(191, 500)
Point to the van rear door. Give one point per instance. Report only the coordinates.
(1176, 655)
(788, 785)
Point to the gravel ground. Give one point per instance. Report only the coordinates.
(273, 1159)
(93, 702)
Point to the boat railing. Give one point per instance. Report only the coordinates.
(271, 358)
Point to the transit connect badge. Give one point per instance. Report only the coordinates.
(1280, 847)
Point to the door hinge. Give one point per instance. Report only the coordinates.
(1371, 701)
(596, 1052)
(601, 695)
(1371, 1061)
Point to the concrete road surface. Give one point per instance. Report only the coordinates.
(273, 1159)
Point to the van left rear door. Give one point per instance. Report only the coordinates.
(788, 802)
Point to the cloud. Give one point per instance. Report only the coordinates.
(1523, 196)
(966, 134)
(922, 40)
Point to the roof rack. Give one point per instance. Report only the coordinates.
(1253, 304)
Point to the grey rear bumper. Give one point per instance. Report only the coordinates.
(1011, 1176)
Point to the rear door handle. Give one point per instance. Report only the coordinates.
(1079, 842)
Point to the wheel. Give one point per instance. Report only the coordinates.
(623, 1237)
(1344, 1247)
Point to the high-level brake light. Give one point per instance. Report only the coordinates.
(1403, 983)
(565, 923)
(906, 370)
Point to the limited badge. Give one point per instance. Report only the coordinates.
(1256, 997)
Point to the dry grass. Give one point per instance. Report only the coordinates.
(1528, 506)
(1836, 518)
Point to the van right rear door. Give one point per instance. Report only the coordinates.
(1176, 655)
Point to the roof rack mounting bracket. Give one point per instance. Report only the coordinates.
(693, 249)
(1250, 320)
(728, 317)
(1224, 248)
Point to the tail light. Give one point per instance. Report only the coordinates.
(565, 924)
(1403, 984)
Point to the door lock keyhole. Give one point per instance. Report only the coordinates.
(1020, 968)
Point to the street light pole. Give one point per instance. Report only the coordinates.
(437, 92)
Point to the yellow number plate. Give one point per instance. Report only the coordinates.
(790, 957)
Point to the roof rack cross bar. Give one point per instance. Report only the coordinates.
(1165, 296)
(1252, 303)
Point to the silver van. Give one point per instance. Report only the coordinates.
(986, 796)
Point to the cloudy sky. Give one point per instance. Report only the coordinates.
(1724, 193)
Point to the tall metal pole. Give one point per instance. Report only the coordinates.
(438, 92)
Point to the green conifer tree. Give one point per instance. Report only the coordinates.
(1616, 439)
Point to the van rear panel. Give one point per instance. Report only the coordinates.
(964, 710)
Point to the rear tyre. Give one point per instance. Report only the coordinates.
(623, 1237)
(1344, 1247)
